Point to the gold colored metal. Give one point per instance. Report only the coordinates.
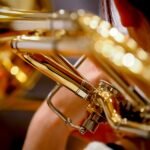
(77, 33)
(41, 5)
(16, 75)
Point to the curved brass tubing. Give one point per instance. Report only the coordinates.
(107, 97)
(119, 55)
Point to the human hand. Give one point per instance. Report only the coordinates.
(45, 128)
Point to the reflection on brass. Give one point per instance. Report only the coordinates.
(15, 74)
(42, 5)
(124, 106)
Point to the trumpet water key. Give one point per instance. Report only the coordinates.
(124, 106)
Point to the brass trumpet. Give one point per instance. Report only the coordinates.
(125, 106)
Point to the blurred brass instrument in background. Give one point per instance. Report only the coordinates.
(47, 38)
(16, 75)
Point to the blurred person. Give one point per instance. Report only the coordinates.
(46, 130)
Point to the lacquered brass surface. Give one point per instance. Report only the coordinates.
(16, 75)
(79, 33)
